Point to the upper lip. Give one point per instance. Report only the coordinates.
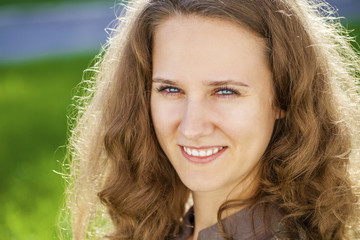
(202, 147)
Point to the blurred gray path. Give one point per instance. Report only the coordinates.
(347, 8)
(46, 30)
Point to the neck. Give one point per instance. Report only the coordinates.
(207, 204)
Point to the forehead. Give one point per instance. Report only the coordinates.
(207, 30)
(206, 48)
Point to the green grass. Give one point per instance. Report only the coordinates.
(353, 25)
(34, 100)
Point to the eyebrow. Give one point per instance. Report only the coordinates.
(164, 81)
(210, 83)
(227, 82)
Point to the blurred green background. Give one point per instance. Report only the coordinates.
(34, 101)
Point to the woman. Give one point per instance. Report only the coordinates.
(243, 107)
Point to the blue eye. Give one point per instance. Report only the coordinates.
(168, 90)
(172, 90)
(226, 92)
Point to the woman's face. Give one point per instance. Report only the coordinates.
(211, 100)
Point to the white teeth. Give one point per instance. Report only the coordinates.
(188, 151)
(195, 153)
(202, 153)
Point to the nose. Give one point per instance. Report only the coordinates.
(196, 120)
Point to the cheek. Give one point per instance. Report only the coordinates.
(164, 117)
(249, 123)
(156, 116)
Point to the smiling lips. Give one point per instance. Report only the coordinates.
(203, 155)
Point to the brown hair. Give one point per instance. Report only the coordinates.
(304, 171)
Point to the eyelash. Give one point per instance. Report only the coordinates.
(164, 90)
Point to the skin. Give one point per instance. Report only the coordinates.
(212, 87)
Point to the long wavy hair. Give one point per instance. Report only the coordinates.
(122, 185)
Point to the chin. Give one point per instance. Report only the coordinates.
(202, 184)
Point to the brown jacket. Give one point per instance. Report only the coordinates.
(240, 226)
